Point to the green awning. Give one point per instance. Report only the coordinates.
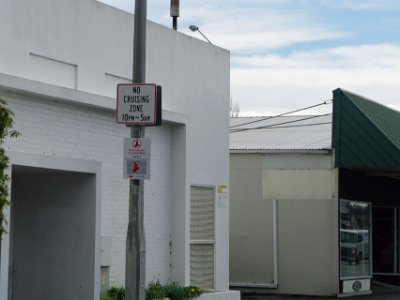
(365, 134)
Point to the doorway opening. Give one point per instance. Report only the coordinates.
(52, 234)
(381, 189)
(386, 249)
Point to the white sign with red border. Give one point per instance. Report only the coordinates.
(137, 158)
(136, 104)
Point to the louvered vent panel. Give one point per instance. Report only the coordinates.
(202, 213)
(202, 265)
(202, 243)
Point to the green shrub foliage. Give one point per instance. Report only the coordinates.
(6, 123)
(155, 290)
(116, 293)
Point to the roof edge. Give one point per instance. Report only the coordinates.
(266, 151)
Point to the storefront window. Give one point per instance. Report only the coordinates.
(355, 236)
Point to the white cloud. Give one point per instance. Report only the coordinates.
(359, 5)
(257, 28)
(253, 41)
(279, 84)
(382, 55)
(275, 83)
(251, 26)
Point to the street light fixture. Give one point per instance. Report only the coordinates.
(196, 28)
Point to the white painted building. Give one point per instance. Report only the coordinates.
(60, 62)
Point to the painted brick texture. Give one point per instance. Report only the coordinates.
(61, 130)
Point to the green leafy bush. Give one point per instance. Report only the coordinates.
(105, 297)
(155, 290)
(116, 293)
(6, 123)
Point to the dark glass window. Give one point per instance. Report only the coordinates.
(355, 236)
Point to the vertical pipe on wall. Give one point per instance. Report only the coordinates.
(6, 245)
(275, 240)
(395, 268)
(370, 240)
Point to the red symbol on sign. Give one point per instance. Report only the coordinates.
(135, 167)
(137, 143)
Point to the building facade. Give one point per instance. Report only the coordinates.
(314, 200)
(67, 226)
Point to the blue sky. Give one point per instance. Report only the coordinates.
(288, 54)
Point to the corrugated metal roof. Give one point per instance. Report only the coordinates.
(366, 133)
(281, 133)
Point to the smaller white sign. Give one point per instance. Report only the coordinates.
(356, 285)
(136, 163)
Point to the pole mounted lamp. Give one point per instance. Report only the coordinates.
(196, 28)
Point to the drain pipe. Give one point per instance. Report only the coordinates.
(274, 283)
(275, 241)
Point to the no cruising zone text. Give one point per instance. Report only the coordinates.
(136, 104)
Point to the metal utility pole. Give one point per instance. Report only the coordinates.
(135, 240)
(174, 12)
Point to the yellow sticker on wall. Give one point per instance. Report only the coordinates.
(222, 188)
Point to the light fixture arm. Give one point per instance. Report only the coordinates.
(196, 28)
(204, 36)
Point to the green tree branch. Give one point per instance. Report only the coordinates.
(6, 124)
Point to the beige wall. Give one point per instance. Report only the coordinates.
(304, 186)
(250, 254)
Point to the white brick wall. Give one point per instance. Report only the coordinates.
(61, 130)
(158, 205)
(94, 42)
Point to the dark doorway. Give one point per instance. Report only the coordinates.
(386, 244)
(382, 189)
(52, 234)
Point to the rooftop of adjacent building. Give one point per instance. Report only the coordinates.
(306, 132)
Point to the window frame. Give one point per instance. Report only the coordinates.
(370, 276)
